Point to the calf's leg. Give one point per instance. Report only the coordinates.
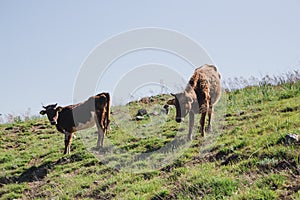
(202, 123)
(210, 112)
(191, 125)
(100, 127)
(68, 140)
(100, 138)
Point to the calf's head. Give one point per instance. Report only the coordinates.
(52, 113)
(183, 103)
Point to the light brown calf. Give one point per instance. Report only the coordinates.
(200, 95)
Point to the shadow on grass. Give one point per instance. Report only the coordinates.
(29, 175)
(38, 173)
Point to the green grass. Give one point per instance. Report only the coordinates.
(244, 158)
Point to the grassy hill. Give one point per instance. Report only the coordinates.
(248, 155)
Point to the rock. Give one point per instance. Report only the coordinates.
(141, 112)
(228, 115)
(166, 109)
(139, 118)
(96, 182)
(9, 128)
(291, 138)
(155, 113)
(242, 113)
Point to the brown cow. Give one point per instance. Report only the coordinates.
(200, 95)
(80, 116)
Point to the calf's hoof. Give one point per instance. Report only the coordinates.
(97, 148)
(202, 134)
(209, 129)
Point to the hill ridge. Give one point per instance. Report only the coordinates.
(250, 156)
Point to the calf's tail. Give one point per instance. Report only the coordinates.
(107, 121)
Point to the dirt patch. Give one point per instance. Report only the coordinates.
(288, 165)
(291, 188)
(290, 109)
(231, 159)
(248, 117)
(15, 129)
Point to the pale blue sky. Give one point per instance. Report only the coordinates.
(44, 43)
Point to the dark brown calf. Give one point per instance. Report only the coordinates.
(80, 116)
(200, 95)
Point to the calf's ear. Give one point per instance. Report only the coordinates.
(42, 112)
(171, 102)
(59, 109)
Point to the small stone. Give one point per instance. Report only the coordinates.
(141, 112)
(155, 113)
(242, 113)
(228, 115)
(291, 138)
(166, 109)
(96, 182)
(138, 118)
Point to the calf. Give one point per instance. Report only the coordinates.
(80, 116)
(200, 95)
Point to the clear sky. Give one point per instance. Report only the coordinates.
(44, 43)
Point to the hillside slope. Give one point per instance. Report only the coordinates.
(248, 155)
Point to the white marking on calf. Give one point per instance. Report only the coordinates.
(88, 124)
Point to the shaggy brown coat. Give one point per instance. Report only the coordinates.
(200, 95)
